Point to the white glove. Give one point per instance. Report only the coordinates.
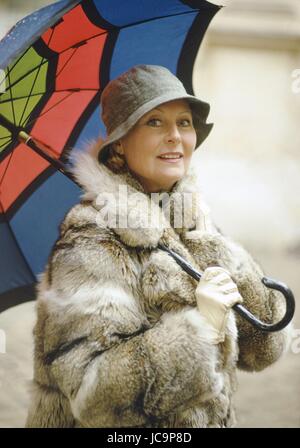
(216, 293)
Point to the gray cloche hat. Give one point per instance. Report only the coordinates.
(131, 95)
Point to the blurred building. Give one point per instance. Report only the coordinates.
(250, 163)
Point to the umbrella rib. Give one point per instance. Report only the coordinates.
(16, 62)
(49, 59)
(29, 95)
(158, 18)
(21, 97)
(3, 84)
(67, 61)
(4, 145)
(57, 91)
(19, 58)
(16, 242)
(34, 81)
(50, 108)
(9, 88)
(12, 103)
(26, 74)
(6, 168)
(54, 105)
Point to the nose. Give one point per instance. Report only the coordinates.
(173, 135)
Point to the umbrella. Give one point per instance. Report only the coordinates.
(56, 63)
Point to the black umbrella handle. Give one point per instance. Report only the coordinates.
(240, 309)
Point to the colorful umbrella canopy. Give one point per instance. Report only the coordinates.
(57, 61)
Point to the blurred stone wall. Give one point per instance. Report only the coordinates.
(250, 164)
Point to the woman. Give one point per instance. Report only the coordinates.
(124, 337)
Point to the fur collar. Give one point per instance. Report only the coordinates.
(137, 217)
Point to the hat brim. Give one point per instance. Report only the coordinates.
(200, 110)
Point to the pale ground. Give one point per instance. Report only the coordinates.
(16, 364)
(272, 398)
(267, 399)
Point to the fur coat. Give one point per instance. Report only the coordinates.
(119, 341)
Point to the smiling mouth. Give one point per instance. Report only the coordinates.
(171, 157)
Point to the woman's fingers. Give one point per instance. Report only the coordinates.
(216, 275)
(220, 285)
(235, 297)
(217, 286)
(228, 287)
(221, 279)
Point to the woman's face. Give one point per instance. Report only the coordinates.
(158, 149)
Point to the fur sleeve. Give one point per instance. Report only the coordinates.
(95, 345)
(257, 350)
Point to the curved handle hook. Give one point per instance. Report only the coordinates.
(289, 313)
(240, 309)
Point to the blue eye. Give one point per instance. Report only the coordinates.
(153, 122)
(157, 122)
(186, 122)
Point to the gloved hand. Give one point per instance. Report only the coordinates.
(216, 293)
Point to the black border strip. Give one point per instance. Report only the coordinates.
(200, 4)
(112, 37)
(107, 57)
